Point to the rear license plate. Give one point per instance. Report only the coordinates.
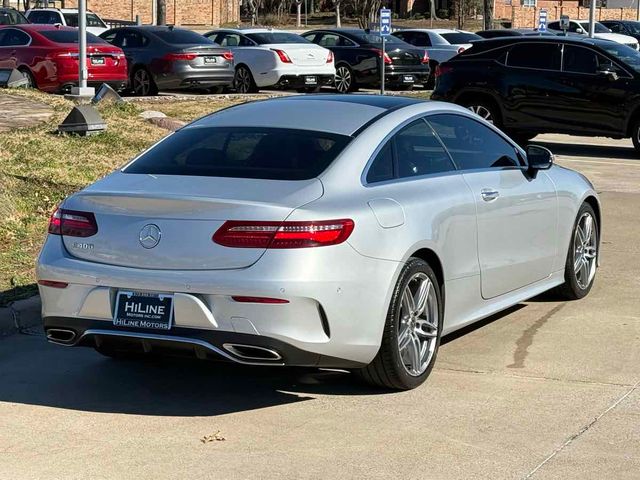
(97, 61)
(310, 80)
(144, 310)
(408, 79)
(210, 60)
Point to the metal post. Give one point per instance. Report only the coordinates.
(638, 10)
(82, 43)
(298, 13)
(305, 13)
(382, 67)
(592, 18)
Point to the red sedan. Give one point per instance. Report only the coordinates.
(48, 56)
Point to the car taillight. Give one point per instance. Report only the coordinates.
(258, 300)
(53, 284)
(330, 57)
(228, 56)
(172, 57)
(72, 223)
(284, 58)
(387, 58)
(461, 49)
(67, 55)
(240, 234)
(442, 70)
(425, 57)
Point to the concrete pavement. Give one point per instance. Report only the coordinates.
(546, 390)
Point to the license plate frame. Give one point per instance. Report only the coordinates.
(310, 80)
(142, 310)
(209, 60)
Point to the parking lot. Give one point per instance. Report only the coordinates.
(547, 389)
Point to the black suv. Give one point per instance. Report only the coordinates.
(532, 85)
(357, 57)
(11, 16)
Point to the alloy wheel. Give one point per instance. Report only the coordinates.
(585, 251)
(141, 83)
(343, 79)
(418, 326)
(243, 80)
(482, 111)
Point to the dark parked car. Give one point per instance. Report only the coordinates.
(358, 56)
(513, 32)
(11, 16)
(167, 58)
(623, 27)
(532, 85)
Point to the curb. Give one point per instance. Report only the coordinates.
(19, 316)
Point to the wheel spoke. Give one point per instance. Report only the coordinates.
(404, 339)
(421, 297)
(588, 228)
(584, 273)
(414, 350)
(426, 329)
(578, 263)
(580, 235)
(407, 301)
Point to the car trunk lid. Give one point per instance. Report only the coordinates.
(183, 213)
(303, 53)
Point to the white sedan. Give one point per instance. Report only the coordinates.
(274, 58)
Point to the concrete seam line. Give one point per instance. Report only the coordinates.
(581, 431)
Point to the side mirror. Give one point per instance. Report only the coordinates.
(539, 158)
(579, 30)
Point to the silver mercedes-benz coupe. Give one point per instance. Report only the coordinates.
(323, 231)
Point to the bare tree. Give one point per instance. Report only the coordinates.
(161, 12)
(366, 11)
(487, 13)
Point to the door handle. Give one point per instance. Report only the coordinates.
(488, 194)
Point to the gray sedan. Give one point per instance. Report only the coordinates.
(169, 58)
(353, 237)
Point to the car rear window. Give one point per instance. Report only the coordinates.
(12, 17)
(268, 38)
(375, 38)
(68, 36)
(242, 152)
(458, 38)
(92, 20)
(177, 36)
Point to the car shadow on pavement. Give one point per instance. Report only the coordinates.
(593, 151)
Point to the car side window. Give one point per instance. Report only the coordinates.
(419, 152)
(133, 40)
(228, 40)
(14, 38)
(381, 169)
(540, 56)
(246, 42)
(615, 27)
(110, 37)
(579, 60)
(334, 40)
(473, 145)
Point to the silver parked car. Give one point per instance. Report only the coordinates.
(323, 231)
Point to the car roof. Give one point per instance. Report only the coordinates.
(577, 39)
(338, 114)
(250, 30)
(41, 27)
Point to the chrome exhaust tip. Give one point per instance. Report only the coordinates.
(61, 335)
(252, 352)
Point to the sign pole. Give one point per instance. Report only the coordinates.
(82, 43)
(385, 31)
(592, 18)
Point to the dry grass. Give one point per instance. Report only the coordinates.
(41, 167)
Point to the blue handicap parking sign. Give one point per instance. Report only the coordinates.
(542, 20)
(385, 22)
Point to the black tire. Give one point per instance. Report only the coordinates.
(243, 81)
(431, 82)
(575, 284)
(485, 108)
(635, 135)
(388, 369)
(344, 81)
(142, 83)
(29, 76)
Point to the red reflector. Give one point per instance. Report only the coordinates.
(330, 57)
(249, 234)
(180, 56)
(228, 56)
(259, 300)
(72, 223)
(51, 283)
(284, 58)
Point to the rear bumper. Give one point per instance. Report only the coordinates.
(224, 346)
(193, 78)
(400, 77)
(117, 85)
(303, 81)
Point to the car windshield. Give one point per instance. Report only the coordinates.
(598, 27)
(12, 17)
(68, 36)
(92, 20)
(626, 55)
(458, 38)
(268, 38)
(242, 152)
(375, 38)
(634, 27)
(179, 36)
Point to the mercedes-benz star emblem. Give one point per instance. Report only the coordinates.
(150, 236)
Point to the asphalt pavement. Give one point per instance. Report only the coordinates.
(546, 390)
